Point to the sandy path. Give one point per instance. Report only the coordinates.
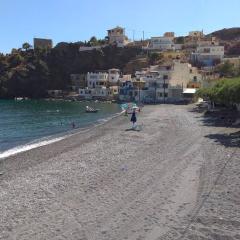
(167, 181)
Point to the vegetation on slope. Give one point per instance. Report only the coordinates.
(29, 73)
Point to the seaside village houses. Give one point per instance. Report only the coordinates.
(160, 83)
(174, 80)
(103, 85)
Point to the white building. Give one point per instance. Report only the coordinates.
(156, 80)
(98, 79)
(208, 54)
(85, 93)
(211, 50)
(140, 74)
(162, 43)
(117, 36)
(102, 92)
(113, 75)
(101, 85)
(166, 83)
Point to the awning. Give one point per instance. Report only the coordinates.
(189, 91)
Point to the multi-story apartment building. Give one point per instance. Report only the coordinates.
(101, 85)
(208, 55)
(164, 83)
(97, 79)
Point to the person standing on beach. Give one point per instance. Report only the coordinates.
(133, 118)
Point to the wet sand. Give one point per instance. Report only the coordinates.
(174, 179)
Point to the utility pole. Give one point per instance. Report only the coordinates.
(133, 34)
(143, 35)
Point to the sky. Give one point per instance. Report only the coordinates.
(78, 20)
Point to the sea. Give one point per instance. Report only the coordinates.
(27, 124)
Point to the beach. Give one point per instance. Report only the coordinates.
(177, 178)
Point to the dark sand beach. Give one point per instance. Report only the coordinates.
(177, 178)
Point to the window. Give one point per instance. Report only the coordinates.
(160, 94)
(165, 85)
(195, 78)
(206, 50)
(165, 77)
(166, 94)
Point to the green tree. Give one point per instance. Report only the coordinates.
(179, 40)
(93, 41)
(226, 69)
(154, 58)
(226, 91)
(26, 46)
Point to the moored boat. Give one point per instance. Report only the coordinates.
(91, 110)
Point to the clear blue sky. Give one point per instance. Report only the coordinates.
(74, 20)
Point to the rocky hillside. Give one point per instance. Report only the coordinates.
(136, 65)
(227, 34)
(29, 73)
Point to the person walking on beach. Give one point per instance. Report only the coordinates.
(133, 118)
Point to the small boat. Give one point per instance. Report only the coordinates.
(19, 98)
(91, 110)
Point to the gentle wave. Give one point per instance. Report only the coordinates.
(40, 142)
(27, 147)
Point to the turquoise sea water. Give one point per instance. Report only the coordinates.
(22, 122)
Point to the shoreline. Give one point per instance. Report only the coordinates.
(27, 159)
(55, 138)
